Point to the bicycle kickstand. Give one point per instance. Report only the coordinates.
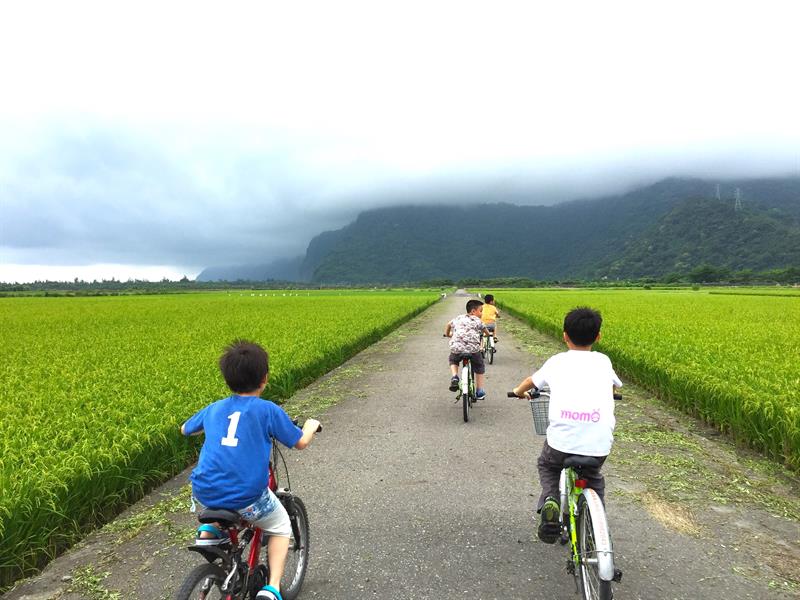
(571, 571)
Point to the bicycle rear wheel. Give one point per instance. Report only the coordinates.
(466, 401)
(203, 583)
(490, 351)
(297, 560)
(594, 546)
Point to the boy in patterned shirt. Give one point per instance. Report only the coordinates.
(465, 333)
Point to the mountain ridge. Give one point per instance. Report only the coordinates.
(674, 225)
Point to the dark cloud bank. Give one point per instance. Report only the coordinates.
(102, 197)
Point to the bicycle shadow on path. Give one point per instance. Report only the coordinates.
(407, 500)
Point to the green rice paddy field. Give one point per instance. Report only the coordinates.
(94, 390)
(732, 359)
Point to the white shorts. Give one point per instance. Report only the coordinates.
(267, 513)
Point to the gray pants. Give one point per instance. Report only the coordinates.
(551, 462)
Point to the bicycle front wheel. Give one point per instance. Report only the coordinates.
(202, 583)
(594, 547)
(297, 560)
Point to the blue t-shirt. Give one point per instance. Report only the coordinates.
(233, 470)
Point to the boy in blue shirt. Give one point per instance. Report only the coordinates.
(232, 471)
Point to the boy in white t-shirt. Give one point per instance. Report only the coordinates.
(581, 412)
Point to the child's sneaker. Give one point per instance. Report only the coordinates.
(454, 381)
(480, 394)
(268, 593)
(549, 527)
(213, 536)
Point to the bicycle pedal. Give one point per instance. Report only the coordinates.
(617, 575)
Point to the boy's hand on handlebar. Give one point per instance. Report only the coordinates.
(312, 425)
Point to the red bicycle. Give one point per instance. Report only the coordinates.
(233, 570)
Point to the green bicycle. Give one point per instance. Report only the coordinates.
(466, 385)
(583, 521)
(488, 347)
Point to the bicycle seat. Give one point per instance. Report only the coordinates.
(464, 356)
(226, 518)
(581, 462)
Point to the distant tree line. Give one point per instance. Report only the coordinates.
(112, 286)
(704, 274)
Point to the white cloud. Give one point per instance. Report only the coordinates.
(185, 132)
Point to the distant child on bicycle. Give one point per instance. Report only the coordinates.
(232, 471)
(490, 314)
(465, 333)
(581, 412)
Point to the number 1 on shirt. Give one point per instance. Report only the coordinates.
(230, 439)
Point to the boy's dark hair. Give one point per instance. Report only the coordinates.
(582, 325)
(488, 298)
(473, 304)
(244, 366)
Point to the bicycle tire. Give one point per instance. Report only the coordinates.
(490, 351)
(208, 576)
(592, 526)
(297, 560)
(465, 398)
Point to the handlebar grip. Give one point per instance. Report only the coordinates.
(296, 423)
(530, 394)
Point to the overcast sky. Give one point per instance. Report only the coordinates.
(153, 139)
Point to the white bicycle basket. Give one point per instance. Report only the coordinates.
(540, 408)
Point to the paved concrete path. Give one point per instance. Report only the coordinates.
(411, 501)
